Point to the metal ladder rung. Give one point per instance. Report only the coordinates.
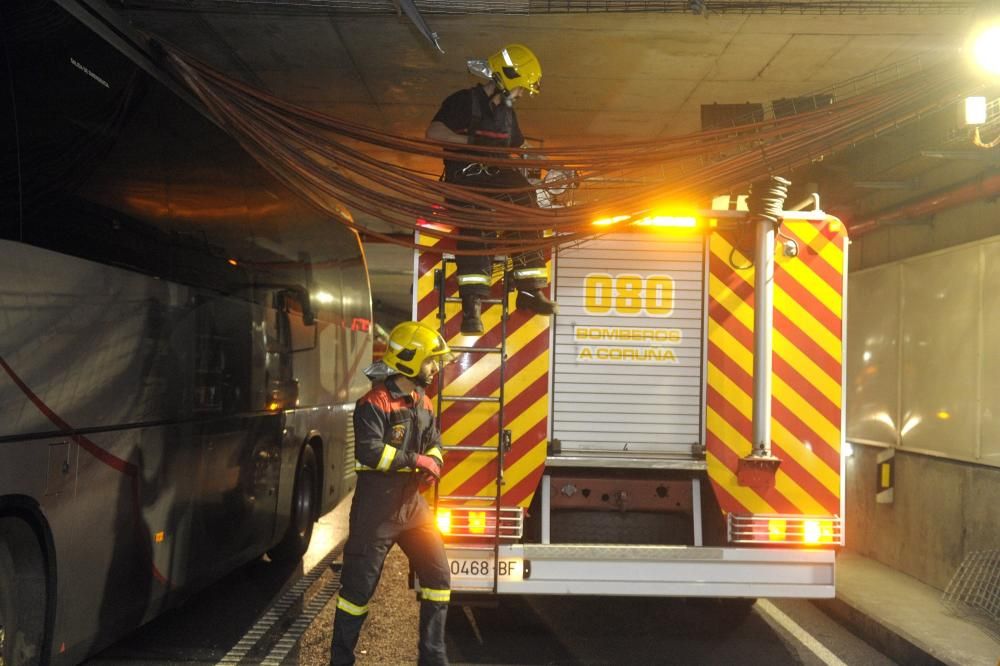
(448, 258)
(504, 435)
(482, 301)
(469, 398)
(462, 447)
(468, 498)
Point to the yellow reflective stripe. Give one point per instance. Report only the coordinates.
(349, 608)
(388, 455)
(531, 272)
(358, 467)
(441, 596)
(473, 279)
(435, 452)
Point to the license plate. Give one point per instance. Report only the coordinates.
(477, 570)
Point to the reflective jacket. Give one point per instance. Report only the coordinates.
(390, 429)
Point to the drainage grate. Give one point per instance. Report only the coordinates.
(974, 590)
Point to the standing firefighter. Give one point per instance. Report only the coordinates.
(398, 449)
(484, 115)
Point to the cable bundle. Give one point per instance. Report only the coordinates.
(339, 166)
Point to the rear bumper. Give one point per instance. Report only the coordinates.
(667, 571)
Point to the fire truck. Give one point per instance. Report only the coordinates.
(675, 430)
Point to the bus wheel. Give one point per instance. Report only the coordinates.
(304, 510)
(22, 595)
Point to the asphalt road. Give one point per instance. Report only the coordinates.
(618, 630)
(262, 614)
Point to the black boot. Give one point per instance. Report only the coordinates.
(536, 301)
(471, 323)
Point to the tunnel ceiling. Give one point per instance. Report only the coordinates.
(609, 76)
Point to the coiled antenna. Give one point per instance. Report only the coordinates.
(767, 198)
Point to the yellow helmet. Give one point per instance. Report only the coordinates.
(515, 66)
(410, 344)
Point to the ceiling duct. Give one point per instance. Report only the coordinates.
(983, 187)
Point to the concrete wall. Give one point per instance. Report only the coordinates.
(946, 229)
(942, 510)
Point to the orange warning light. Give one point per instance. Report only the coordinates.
(608, 221)
(444, 521)
(477, 522)
(668, 221)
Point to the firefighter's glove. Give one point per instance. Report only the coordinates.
(429, 465)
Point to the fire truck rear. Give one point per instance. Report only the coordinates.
(645, 441)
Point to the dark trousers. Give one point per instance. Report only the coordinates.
(364, 554)
(476, 270)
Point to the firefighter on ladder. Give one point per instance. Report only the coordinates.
(397, 450)
(484, 115)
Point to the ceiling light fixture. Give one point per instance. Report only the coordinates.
(986, 49)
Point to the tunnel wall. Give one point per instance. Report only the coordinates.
(941, 511)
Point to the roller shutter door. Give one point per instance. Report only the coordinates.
(627, 368)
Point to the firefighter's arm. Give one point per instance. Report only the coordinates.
(431, 445)
(431, 459)
(438, 131)
(451, 121)
(370, 425)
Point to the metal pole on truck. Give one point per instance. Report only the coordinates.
(763, 323)
(765, 204)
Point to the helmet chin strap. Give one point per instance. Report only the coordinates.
(499, 89)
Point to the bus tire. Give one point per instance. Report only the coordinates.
(304, 510)
(22, 594)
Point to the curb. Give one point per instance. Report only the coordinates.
(886, 639)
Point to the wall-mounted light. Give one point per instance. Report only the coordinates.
(980, 112)
(975, 110)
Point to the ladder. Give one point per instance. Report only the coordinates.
(503, 438)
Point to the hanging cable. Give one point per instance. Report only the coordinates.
(339, 166)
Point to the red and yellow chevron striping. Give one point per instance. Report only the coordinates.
(807, 372)
(478, 375)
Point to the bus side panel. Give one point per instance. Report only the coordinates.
(105, 494)
(326, 363)
(139, 283)
(354, 356)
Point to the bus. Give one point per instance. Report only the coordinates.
(181, 342)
